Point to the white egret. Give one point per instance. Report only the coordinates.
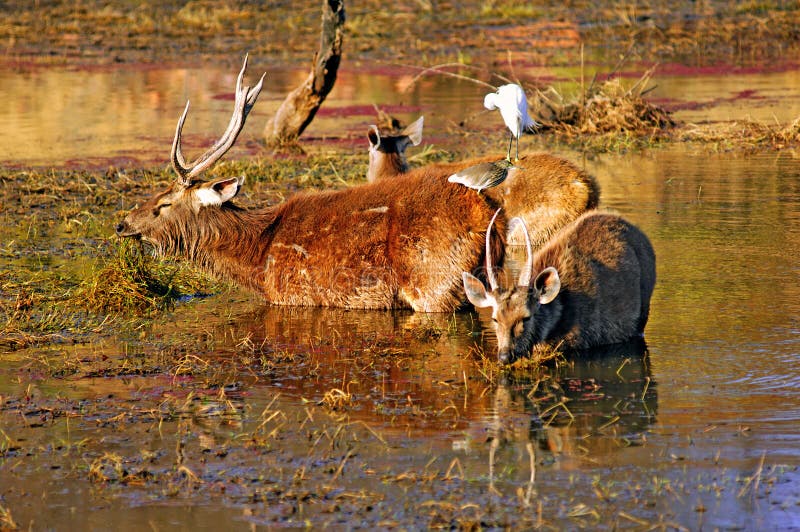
(513, 105)
(483, 175)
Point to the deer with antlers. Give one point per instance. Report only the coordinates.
(401, 243)
(589, 286)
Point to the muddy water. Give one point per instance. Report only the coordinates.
(251, 415)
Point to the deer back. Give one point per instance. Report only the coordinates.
(547, 192)
(400, 243)
(607, 272)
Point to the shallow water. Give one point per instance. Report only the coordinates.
(104, 117)
(698, 430)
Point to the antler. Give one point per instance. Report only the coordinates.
(525, 273)
(489, 269)
(243, 103)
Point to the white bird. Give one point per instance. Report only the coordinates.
(483, 175)
(513, 105)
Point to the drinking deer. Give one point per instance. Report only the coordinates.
(387, 152)
(589, 286)
(400, 243)
(547, 192)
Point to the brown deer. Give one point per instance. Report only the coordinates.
(591, 286)
(401, 243)
(547, 192)
(387, 152)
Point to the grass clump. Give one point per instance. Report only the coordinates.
(541, 355)
(31, 312)
(134, 282)
(607, 107)
(743, 134)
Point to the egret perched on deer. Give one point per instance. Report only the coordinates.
(513, 105)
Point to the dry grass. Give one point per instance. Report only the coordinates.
(607, 107)
(6, 520)
(541, 355)
(742, 134)
(59, 31)
(337, 399)
(30, 313)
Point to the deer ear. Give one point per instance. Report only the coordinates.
(414, 131)
(374, 136)
(547, 285)
(218, 192)
(476, 292)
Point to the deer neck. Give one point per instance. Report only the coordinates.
(385, 165)
(229, 243)
(548, 318)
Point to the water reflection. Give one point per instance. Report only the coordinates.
(126, 116)
(424, 372)
(579, 411)
(400, 368)
(99, 117)
(727, 289)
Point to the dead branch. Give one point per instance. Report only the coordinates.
(298, 109)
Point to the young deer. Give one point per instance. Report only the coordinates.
(387, 153)
(547, 192)
(591, 286)
(395, 244)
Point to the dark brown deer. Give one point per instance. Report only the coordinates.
(589, 286)
(547, 192)
(401, 243)
(387, 151)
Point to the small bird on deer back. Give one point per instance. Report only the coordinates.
(510, 100)
(483, 175)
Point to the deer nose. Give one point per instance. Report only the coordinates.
(504, 356)
(120, 228)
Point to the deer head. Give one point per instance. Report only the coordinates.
(387, 153)
(514, 309)
(175, 220)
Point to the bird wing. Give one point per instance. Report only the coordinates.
(512, 118)
(481, 176)
(515, 109)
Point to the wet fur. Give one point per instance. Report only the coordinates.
(607, 271)
(547, 192)
(397, 244)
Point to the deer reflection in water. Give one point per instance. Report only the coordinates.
(598, 403)
(389, 360)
